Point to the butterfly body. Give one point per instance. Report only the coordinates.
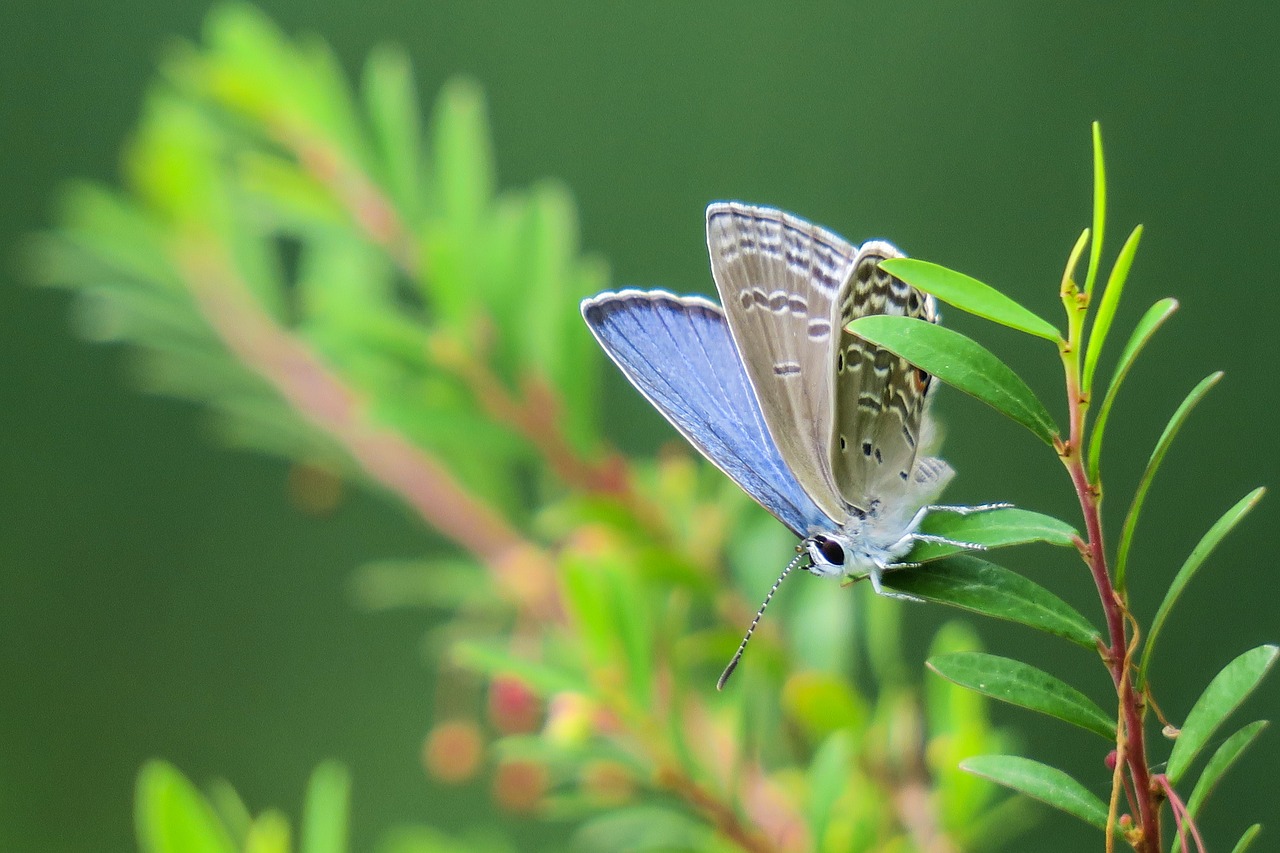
(821, 428)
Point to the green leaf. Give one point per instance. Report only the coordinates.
(1106, 310)
(642, 828)
(995, 528)
(1199, 554)
(544, 284)
(1099, 210)
(392, 103)
(1142, 333)
(1042, 782)
(1153, 464)
(828, 778)
(496, 657)
(821, 704)
(426, 839)
(959, 727)
(1223, 759)
(231, 810)
(1224, 694)
(464, 171)
(172, 817)
(269, 833)
(324, 813)
(1024, 685)
(969, 294)
(961, 363)
(1246, 840)
(972, 584)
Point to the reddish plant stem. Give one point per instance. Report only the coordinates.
(722, 816)
(1180, 814)
(317, 394)
(1134, 753)
(535, 415)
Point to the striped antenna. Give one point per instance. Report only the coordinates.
(733, 664)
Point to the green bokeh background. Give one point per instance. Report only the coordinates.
(160, 596)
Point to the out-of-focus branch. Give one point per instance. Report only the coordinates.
(536, 416)
(719, 814)
(521, 568)
(369, 207)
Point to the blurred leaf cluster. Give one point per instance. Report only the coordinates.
(173, 816)
(346, 287)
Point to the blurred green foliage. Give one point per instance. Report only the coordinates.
(352, 292)
(349, 290)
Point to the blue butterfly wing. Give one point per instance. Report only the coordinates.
(679, 353)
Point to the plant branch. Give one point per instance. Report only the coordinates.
(520, 567)
(1132, 751)
(1180, 815)
(536, 416)
(722, 816)
(370, 209)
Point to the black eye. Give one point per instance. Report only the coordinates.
(830, 550)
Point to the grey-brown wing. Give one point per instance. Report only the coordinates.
(880, 398)
(780, 280)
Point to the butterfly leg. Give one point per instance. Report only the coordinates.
(943, 540)
(962, 510)
(877, 574)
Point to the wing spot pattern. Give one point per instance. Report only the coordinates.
(819, 330)
(786, 368)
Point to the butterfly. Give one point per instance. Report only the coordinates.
(821, 428)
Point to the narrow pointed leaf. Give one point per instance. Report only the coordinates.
(961, 363)
(1024, 685)
(996, 528)
(975, 585)
(969, 294)
(495, 658)
(325, 810)
(1073, 260)
(392, 104)
(828, 778)
(171, 816)
(1223, 759)
(1203, 549)
(1153, 464)
(269, 833)
(1106, 310)
(1041, 782)
(1142, 333)
(1099, 210)
(1224, 694)
(1246, 840)
(464, 177)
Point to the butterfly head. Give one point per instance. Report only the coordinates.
(828, 555)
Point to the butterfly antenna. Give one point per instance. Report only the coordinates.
(737, 656)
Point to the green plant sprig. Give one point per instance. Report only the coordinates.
(971, 368)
